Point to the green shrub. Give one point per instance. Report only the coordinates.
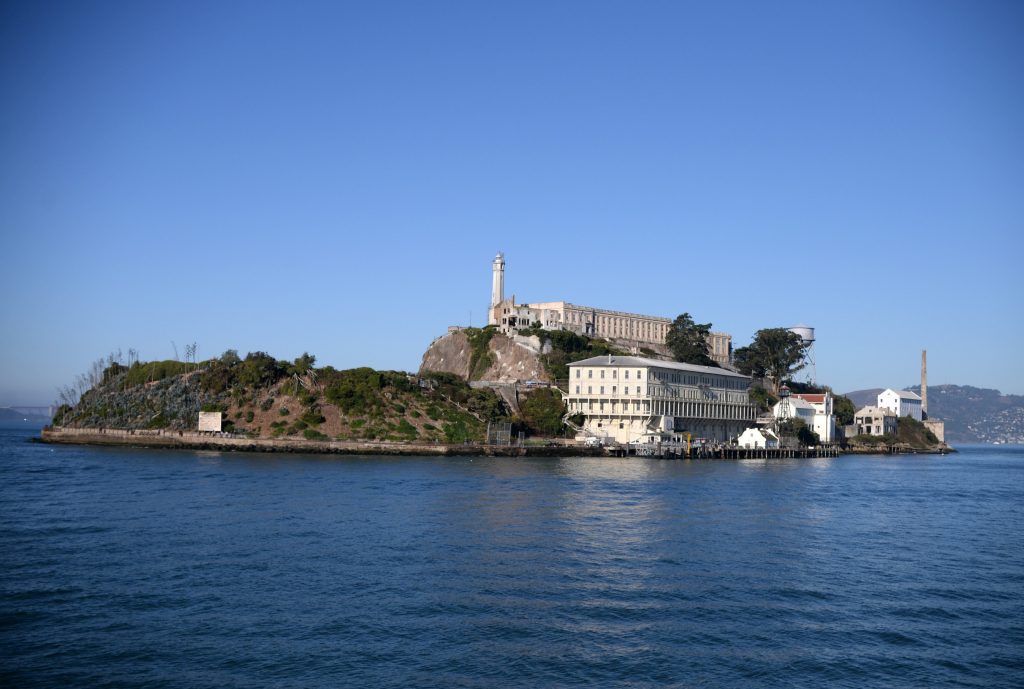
(355, 390)
(267, 404)
(283, 411)
(249, 416)
(406, 429)
(313, 434)
(542, 411)
(141, 373)
(480, 358)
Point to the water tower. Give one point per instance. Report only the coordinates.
(806, 335)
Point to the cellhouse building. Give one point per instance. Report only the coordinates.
(626, 398)
(619, 326)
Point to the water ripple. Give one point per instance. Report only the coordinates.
(126, 568)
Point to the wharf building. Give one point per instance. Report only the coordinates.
(634, 328)
(635, 399)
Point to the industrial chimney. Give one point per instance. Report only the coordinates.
(924, 383)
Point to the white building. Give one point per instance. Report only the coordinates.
(816, 410)
(901, 403)
(628, 398)
(586, 320)
(874, 421)
(758, 439)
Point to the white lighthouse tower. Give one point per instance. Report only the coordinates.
(497, 286)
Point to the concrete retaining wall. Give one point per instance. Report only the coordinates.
(220, 441)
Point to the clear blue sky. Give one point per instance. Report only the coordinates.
(336, 177)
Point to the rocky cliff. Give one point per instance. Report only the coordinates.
(486, 355)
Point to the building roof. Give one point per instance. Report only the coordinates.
(903, 394)
(872, 410)
(796, 403)
(656, 363)
(813, 398)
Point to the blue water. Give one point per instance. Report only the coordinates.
(135, 568)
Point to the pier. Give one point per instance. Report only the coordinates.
(722, 452)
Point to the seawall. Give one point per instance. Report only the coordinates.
(185, 440)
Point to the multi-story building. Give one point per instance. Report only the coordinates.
(814, 409)
(874, 421)
(901, 403)
(627, 398)
(586, 320)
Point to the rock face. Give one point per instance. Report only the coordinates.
(448, 354)
(512, 358)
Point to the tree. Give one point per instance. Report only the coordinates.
(775, 354)
(797, 428)
(542, 411)
(842, 407)
(688, 341)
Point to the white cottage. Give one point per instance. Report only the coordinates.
(758, 439)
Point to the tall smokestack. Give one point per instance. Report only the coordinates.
(924, 383)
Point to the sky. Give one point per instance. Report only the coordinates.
(336, 177)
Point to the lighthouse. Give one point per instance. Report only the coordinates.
(497, 286)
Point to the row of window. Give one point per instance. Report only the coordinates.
(615, 373)
(625, 390)
(693, 379)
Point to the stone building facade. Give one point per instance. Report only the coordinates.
(587, 320)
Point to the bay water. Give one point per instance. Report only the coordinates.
(156, 568)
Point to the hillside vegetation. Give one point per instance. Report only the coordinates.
(262, 396)
(909, 431)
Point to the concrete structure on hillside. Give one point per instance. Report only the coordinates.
(813, 409)
(937, 427)
(210, 421)
(629, 398)
(586, 320)
(901, 403)
(758, 439)
(874, 421)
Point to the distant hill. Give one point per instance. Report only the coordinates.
(972, 415)
(23, 418)
(862, 398)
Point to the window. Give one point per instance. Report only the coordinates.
(615, 373)
(613, 389)
(590, 373)
(627, 375)
(589, 390)
(639, 374)
(625, 390)
(602, 389)
(602, 373)
(577, 373)
(577, 389)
